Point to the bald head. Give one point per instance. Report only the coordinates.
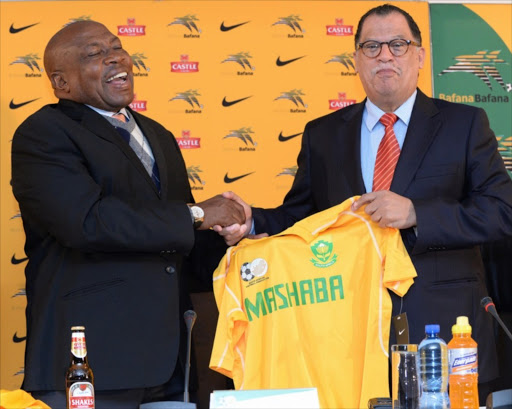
(86, 63)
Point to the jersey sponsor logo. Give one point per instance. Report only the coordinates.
(254, 269)
(188, 21)
(188, 142)
(294, 294)
(225, 28)
(12, 105)
(339, 29)
(131, 29)
(226, 103)
(292, 21)
(483, 65)
(283, 138)
(17, 339)
(14, 30)
(15, 260)
(323, 253)
(282, 63)
(341, 102)
(227, 179)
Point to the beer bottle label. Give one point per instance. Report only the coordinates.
(78, 347)
(81, 396)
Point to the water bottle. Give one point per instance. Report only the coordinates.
(433, 370)
(463, 359)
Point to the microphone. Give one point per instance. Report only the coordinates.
(190, 318)
(489, 306)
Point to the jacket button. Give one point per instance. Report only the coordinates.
(170, 269)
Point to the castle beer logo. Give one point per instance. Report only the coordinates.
(188, 21)
(347, 60)
(190, 97)
(138, 62)
(482, 64)
(184, 65)
(196, 183)
(341, 102)
(31, 61)
(323, 254)
(294, 96)
(339, 29)
(187, 142)
(292, 21)
(242, 59)
(291, 171)
(138, 105)
(244, 135)
(131, 29)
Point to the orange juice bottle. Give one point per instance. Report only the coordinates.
(463, 361)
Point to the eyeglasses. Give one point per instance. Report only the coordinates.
(397, 47)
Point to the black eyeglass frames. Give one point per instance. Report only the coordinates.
(397, 47)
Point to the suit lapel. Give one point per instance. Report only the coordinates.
(421, 131)
(99, 126)
(346, 156)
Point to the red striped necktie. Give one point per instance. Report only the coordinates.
(387, 155)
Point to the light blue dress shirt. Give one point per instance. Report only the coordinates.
(372, 132)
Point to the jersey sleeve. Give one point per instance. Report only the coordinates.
(399, 272)
(228, 353)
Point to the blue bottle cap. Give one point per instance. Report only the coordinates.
(432, 329)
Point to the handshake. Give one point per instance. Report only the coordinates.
(228, 215)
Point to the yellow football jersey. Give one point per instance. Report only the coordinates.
(309, 307)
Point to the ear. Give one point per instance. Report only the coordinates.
(59, 83)
(421, 56)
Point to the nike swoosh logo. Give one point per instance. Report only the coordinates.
(227, 28)
(282, 63)
(227, 179)
(13, 30)
(12, 105)
(15, 260)
(226, 103)
(283, 138)
(401, 332)
(17, 339)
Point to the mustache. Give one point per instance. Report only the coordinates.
(386, 67)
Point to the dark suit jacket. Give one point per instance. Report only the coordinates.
(451, 170)
(105, 247)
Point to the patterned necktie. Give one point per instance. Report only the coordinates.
(125, 126)
(387, 155)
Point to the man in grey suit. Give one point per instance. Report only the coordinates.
(109, 220)
(449, 191)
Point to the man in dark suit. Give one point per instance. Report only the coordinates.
(449, 192)
(108, 223)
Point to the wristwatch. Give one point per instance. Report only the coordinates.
(197, 215)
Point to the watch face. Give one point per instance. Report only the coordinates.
(197, 212)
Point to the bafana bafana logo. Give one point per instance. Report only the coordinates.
(323, 255)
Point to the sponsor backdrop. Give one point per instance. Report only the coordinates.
(234, 81)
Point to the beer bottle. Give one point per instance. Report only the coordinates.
(79, 376)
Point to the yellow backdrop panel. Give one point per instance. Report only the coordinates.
(234, 81)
